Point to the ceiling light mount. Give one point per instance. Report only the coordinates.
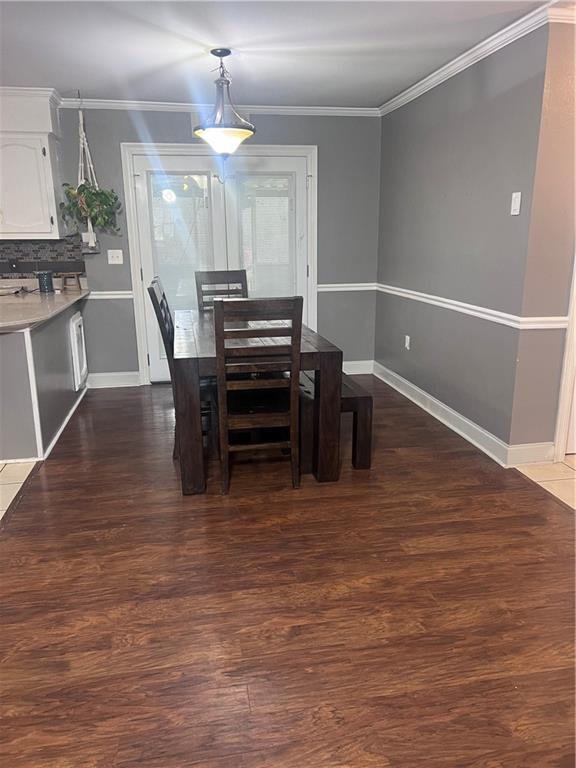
(225, 130)
(221, 53)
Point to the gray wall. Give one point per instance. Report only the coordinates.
(450, 161)
(110, 335)
(348, 189)
(54, 386)
(54, 372)
(538, 371)
(461, 360)
(17, 435)
(348, 320)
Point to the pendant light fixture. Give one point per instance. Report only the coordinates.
(225, 130)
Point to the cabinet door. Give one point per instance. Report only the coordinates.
(24, 186)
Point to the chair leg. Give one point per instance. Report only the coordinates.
(295, 461)
(362, 436)
(213, 442)
(175, 451)
(306, 435)
(225, 471)
(225, 468)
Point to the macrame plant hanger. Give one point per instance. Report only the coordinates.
(86, 172)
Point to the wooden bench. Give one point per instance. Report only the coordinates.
(354, 400)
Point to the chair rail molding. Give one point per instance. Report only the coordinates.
(523, 323)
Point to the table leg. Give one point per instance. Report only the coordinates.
(189, 417)
(327, 394)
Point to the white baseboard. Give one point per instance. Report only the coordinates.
(504, 454)
(23, 460)
(530, 453)
(481, 438)
(114, 379)
(358, 366)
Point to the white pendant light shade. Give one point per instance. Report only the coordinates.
(223, 140)
(225, 130)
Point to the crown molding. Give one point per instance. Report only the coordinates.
(562, 15)
(130, 104)
(549, 12)
(50, 94)
(495, 42)
(251, 109)
(320, 111)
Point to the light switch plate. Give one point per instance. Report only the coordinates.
(515, 203)
(115, 256)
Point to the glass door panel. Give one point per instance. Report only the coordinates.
(267, 223)
(181, 232)
(180, 208)
(267, 232)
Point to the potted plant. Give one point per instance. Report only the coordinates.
(88, 206)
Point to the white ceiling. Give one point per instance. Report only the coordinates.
(340, 54)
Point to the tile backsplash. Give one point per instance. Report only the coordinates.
(31, 255)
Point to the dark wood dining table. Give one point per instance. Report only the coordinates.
(195, 358)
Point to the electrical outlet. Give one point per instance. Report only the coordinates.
(406, 342)
(115, 256)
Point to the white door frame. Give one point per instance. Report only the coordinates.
(568, 376)
(132, 149)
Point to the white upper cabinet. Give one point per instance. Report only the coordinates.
(26, 205)
(29, 174)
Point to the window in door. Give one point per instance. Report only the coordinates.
(267, 232)
(181, 231)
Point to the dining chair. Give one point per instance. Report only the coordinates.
(220, 284)
(207, 389)
(257, 375)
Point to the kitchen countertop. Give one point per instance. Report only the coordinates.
(30, 309)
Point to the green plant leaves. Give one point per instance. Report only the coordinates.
(85, 202)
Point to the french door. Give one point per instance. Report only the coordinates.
(197, 212)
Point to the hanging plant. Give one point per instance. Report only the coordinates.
(88, 203)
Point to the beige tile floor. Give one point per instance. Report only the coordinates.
(559, 479)
(12, 477)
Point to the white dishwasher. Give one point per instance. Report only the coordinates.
(78, 349)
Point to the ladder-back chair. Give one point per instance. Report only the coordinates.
(258, 370)
(220, 284)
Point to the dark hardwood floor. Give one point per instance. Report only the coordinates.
(418, 614)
